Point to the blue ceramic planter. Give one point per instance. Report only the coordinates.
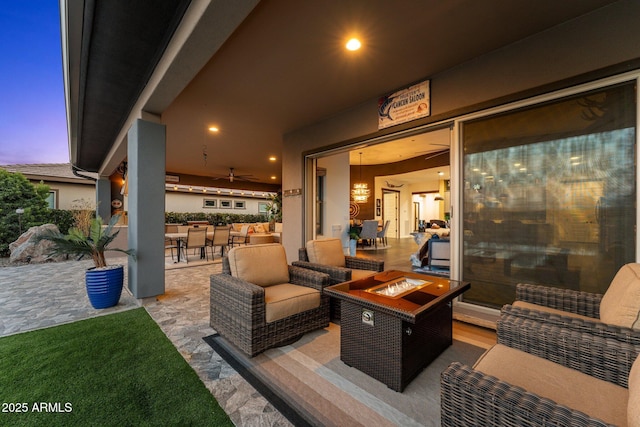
(104, 286)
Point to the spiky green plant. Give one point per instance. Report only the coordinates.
(93, 244)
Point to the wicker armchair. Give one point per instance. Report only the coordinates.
(614, 315)
(553, 376)
(259, 301)
(327, 256)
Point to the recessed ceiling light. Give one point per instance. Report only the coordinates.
(272, 158)
(273, 177)
(353, 44)
(213, 129)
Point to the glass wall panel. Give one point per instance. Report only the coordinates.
(549, 195)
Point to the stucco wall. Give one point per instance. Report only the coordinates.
(336, 218)
(69, 195)
(603, 38)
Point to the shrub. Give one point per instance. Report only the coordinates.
(213, 218)
(62, 218)
(16, 192)
(83, 215)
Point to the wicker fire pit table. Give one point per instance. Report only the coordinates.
(394, 323)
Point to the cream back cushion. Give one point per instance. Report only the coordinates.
(263, 265)
(326, 252)
(633, 409)
(620, 305)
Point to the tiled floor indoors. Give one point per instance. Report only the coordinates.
(43, 295)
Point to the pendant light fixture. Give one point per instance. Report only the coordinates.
(360, 192)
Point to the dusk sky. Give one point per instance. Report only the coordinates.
(32, 111)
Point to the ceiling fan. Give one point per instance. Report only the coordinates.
(232, 176)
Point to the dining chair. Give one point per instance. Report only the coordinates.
(220, 238)
(169, 243)
(196, 239)
(369, 231)
(241, 237)
(382, 234)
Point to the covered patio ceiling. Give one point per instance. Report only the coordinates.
(257, 70)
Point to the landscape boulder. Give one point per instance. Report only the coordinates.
(28, 250)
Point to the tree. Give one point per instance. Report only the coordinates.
(274, 207)
(16, 192)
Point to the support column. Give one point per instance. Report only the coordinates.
(146, 154)
(103, 198)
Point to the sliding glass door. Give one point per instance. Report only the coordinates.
(549, 195)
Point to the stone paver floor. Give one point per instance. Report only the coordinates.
(44, 295)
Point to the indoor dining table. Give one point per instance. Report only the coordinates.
(181, 237)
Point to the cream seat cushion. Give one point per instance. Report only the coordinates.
(286, 299)
(263, 265)
(326, 252)
(596, 398)
(620, 305)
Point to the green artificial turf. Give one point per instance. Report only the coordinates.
(114, 370)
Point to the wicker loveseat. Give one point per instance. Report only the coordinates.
(614, 315)
(259, 301)
(539, 375)
(327, 256)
